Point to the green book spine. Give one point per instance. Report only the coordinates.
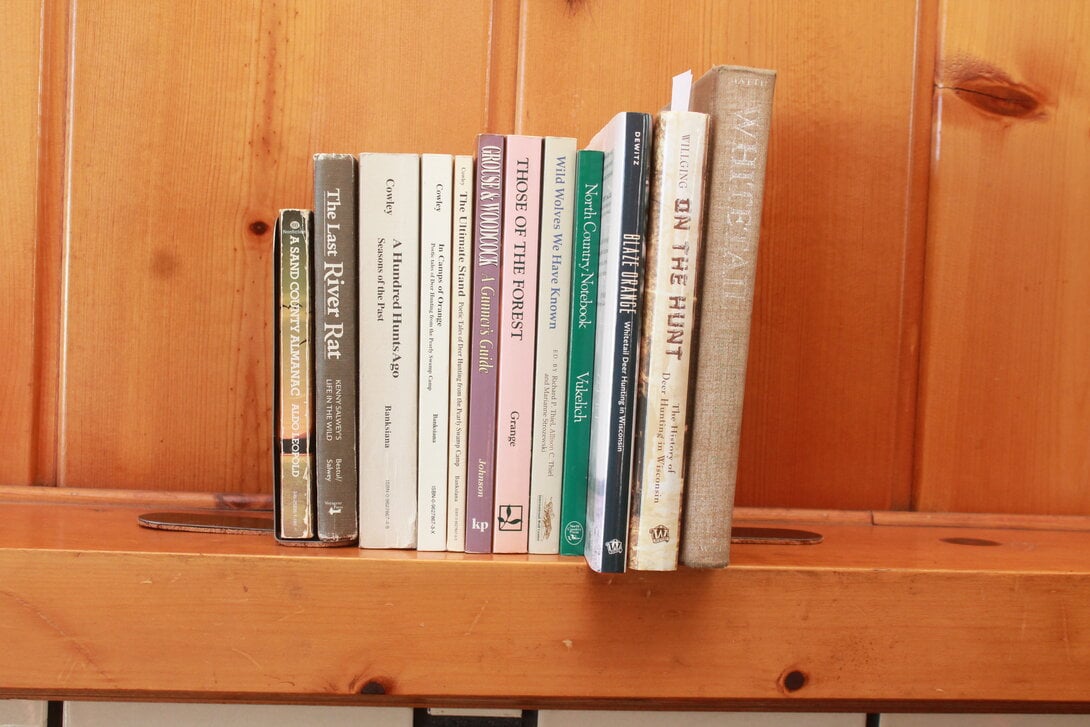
(584, 296)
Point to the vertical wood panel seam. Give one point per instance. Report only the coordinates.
(917, 208)
(54, 64)
(39, 474)
(520, 68)
(69, 87)
(504, 66)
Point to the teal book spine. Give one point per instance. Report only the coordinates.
(584, 297)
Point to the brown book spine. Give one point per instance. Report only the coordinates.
(739, 101)
(336, 343)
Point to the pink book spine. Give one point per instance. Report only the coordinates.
(518, 323)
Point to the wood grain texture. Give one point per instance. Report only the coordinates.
(191, 125)
(827, 356)
(1005, 389)
(18, 188)
(874, 614)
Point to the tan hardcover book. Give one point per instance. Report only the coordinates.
(673, 248)
(739, 101)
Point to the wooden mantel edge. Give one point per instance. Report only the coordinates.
(876, 618)
(786, 705)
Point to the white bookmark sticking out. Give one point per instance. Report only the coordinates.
(683, 87)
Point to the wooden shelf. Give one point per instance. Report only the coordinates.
(877, 616)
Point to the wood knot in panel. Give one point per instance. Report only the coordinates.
(992, 91)
(792, 680)
(164, 264)
(372, 685)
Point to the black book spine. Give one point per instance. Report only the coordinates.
(336, 346)
(635, 158)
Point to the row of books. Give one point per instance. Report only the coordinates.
(499, 353)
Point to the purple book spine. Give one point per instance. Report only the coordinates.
(485, 352)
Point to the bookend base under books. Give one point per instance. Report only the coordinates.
(261, 523)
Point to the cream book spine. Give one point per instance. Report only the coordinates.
(436, 178)
(673, 248)
(551, 367)
(461, 299)
(389, 255)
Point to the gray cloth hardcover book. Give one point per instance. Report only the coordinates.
(739, 101)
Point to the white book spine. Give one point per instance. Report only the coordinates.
(674, 247)
(461, 302)
(389, 271)
(551, 366)
(436, 178)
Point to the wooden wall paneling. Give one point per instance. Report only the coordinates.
(1005, 389)
(19, 72)
(191, 125)
(825, 422)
